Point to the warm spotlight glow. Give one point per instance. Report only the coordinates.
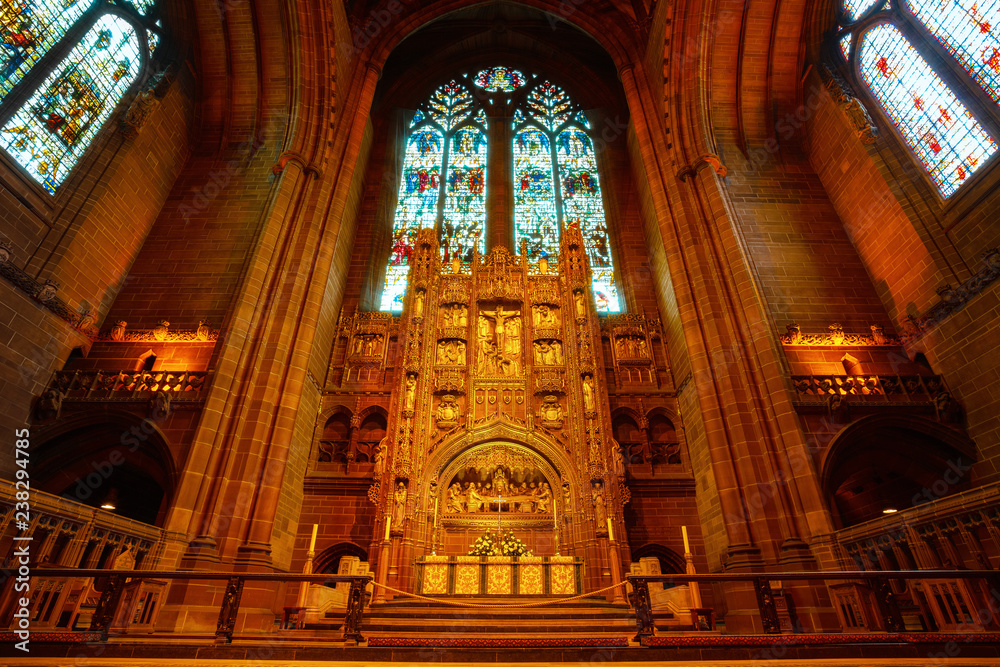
(889, 510)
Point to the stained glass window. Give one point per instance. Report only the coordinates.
(946, 138)
(54, 127)
(855, 9)
(500, 79)
(555, 180)
(845, 45)
(28, 29)
(419, 191)
(465, 196)
(534, 195)
(582, 205)
(969, 30)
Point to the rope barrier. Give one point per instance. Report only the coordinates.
(545, 603)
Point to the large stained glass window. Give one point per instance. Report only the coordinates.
(555, 181)
(945, 137)
(443, 184)
(969, 30)
(28, 29)
(554, 162)
(51, 119)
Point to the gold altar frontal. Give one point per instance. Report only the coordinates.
(499, 575)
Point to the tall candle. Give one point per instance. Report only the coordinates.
(611, 532)
(312, 541)
(388, 522)
(436, 512)
(684, 534)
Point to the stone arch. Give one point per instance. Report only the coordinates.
(86, 457)
(882, 463)
(559, 465)
(328, 560)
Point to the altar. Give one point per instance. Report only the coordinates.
(499, 575)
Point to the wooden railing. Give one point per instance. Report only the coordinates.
(885, 600)
(115, 580)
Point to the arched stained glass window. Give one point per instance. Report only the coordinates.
(582, 205)
(28, 29)
(947, 134)
(447, 136)
(969, 30)
(555, 181)
(535, 217)
(50, 116)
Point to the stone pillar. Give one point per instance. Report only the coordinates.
(499, 178)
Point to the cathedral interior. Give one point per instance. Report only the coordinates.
(396, 330)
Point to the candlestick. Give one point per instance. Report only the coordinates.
(388, 523)
(684, 534)
(312, 541)
(436, 512)
(611, 533)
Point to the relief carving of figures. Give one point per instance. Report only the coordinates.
(410, 398)
(447, 412)
(633, 347)
(455, 315)
(499, 342)
(588, 394)
(543, 498)
(451, 353)
(545, 317)
(399, 506)
(600, 513)
(551, 413)
(548, 353)
(567, 497)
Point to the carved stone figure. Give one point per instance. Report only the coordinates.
(118, 331)
(551, 413)
(49, 405)
(512, 345)
(600, 513)
(455, 499)
(581, 306)
(473, 501)
(399, 506)
(447, 412)
(543, 498)
(949, 411)
(461, 316)
(410, 399)
(203, 330)
(794, 333)
(160, 330)
(567, 497)
(878, 334)
(159, 406)
(379, 459)
(836, 334)
(418, 304)
(588, 394)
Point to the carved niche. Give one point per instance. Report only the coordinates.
(498, 342)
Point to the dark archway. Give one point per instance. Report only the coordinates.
(883, 464)
(116, 458)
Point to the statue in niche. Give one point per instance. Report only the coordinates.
(581, 307)
(545, 317)
(379, 459)
(550, 412)
(447, 412)
(118, 331)
(512, 346)
(600, 513)
(451, 352)
(643, 348)
(399, 506)
(499, 342)
(548, 353)
(410, 398)
(418, 304)
(460, 315)
(567, 497)
(456, 499)
(588, 394)
(359, 345)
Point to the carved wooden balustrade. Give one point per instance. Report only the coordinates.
(91, 385)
